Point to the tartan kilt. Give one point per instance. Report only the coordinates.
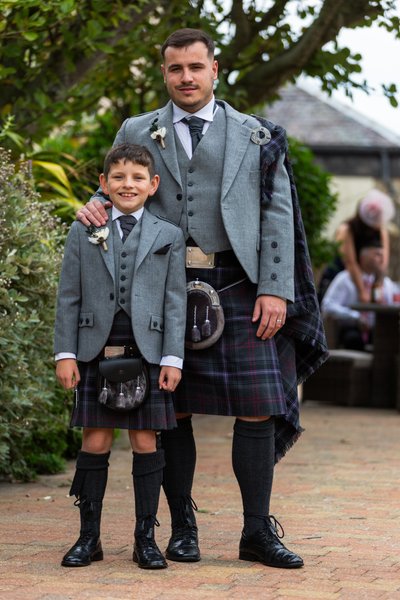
(156, 412)
(240, 375)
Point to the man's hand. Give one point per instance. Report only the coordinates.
(169, 378)
(271, 311)
(93, 213)
(67, 373)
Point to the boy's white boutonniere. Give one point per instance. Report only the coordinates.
(98, 235)
(158, 133)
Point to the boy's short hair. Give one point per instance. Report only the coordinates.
(129, 152)
(181, 38)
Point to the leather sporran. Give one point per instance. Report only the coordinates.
(124, 383)
(205, 316)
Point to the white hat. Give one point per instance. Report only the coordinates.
(376, 209)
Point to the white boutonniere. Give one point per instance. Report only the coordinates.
(158, 133)
(98, 235)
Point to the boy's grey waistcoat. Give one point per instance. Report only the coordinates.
(90, 287)
(259, 232)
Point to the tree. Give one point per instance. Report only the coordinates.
(62, 58)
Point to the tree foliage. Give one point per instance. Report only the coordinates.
(62, 58)
(33, 417)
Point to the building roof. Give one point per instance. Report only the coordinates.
(324, 123)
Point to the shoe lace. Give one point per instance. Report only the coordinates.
(275, 526)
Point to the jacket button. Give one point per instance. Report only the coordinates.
(190, 213)
(80, 321)
(191, 169)
(179, 196)
(274, 276)
(190, 183)
(190, 198)
(155, 323)
(277, 259)
(87, 321)
(124, 254)
(111, 296)
(122, 301)
(274, 244)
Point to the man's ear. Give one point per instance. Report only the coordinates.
(103, 183)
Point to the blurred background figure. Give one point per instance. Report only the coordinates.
(355, 329)
(367, 227)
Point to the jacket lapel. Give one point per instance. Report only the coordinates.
(149, 232)
(237, 141)
(163, 118)
(108, 256)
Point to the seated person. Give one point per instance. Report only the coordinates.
(354, 327)
(367, 226)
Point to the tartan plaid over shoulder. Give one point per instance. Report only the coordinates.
(303, 322)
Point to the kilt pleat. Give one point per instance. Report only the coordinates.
(157, 411)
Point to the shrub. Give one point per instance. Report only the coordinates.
(33, 416)
(317, 202)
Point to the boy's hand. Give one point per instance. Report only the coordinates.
(93, 213)
(169, 378)
(67, 373)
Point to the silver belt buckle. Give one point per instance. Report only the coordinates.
(111, 351)
(196, 259)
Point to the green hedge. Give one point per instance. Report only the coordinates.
(34, 435)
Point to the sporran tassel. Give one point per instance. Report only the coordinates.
(206, 327)
(103, 394)
(196, 337)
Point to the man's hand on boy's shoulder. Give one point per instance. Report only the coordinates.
(169, 378)
(94, 213)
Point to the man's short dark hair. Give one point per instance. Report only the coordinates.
(181, 38)
(129, 152)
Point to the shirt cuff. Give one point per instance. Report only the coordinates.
(61, 355)
(171, 361)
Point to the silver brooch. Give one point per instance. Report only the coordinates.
(260, 136)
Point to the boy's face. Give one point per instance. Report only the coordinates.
(129, 185)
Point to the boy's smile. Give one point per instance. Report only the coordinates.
(129, 185)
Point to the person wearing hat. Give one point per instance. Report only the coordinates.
(366, 227)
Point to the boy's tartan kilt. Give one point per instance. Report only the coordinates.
(157, 411)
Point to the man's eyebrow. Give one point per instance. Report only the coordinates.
(194, 64)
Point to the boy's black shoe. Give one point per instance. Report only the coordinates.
(145, 550)
(83, 552)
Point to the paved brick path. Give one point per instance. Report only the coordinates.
(336, 493)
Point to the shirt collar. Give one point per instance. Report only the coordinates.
(116, 213)
(206, 113)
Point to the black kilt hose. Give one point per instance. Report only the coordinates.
(241, 375)
(156, 412)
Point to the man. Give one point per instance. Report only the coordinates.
(355, 327)
(213, 162)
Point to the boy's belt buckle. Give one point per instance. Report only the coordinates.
(196, 259)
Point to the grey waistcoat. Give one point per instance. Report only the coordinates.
(201, 186)
(124, 259)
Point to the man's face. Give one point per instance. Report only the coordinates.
(189, 75)
(128, 184)
(371, 261)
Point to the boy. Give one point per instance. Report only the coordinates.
(126, 289)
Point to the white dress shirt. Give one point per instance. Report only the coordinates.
(207, 113)
(166, 361)
(342, 293)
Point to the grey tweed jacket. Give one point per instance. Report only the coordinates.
(87, 295)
